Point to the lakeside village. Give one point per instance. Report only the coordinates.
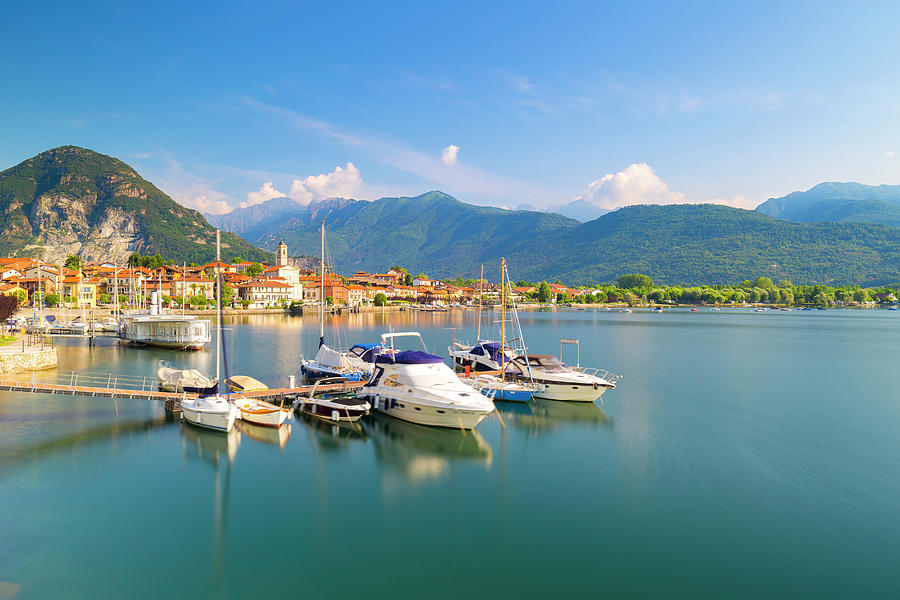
(251, 285)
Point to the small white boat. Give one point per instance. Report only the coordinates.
(243, 383)
(260, 412)
(109, 325)
(418, 387)
(210, 412)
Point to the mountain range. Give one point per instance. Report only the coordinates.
(72, 200)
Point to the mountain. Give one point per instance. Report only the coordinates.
(71, 200)
(580, 210)
(433, 232)
(688, 244)
(838, 202)
(695, 244)
(252, 221)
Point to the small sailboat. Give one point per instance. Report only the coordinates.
(260, 412)
(337, 405)
(500, 388)
(215, 412)
(352, 365)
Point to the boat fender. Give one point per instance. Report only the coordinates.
(335, 415)
(377, 403)
(596, 386)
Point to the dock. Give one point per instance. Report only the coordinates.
(172, 400)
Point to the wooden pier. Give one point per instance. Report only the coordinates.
(172, 400)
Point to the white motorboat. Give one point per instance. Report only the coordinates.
(418, 387)
(109, 325)
(190, 381)
(211, 412)
(484, 356)
(356, 364)
(556, 380)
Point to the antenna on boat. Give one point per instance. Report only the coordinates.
(322, 291)
(480, 300)
(502, 319)
(218, 308)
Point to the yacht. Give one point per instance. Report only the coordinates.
(418, 387)
(556, 380)
(334, 402)
(356, 364)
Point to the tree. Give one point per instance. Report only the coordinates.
(329, 300)
(562, 298)
(380, 299)
(236, 260)
(21, 296)
(104, 298)
(134, 260)
(51, 300)
(255, 270)
(69, 299)
(630, 298)
(198, 300)
(407, 279)
(245, 302)
(167, 299)
(227, 293)
(73, 262)
(8, 307)
(123, 299)
(634, 280)
(861, 295)
(764, 283)
(545, 293)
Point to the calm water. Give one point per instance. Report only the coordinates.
(743, 454)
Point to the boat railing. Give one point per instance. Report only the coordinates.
(601, 373)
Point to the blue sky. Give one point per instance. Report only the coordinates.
(546, 102)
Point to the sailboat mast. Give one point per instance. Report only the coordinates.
(183, 286)
(218, 308)
(502, 318)
(480, 294)
(322, 290)
(116, 287)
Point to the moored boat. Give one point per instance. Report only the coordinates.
(190, 381)
(336, 405)
(210, 412)
(418, 387)
(559, 381)
(260, 412)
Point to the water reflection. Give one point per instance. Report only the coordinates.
(416, 453)
(541, 415)
(17, 456)
(277, 436)
(331, 436)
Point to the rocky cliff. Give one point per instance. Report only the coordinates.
(71, 200)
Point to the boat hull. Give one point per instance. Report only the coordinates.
(347, 414)
(570, 392)
(313, 374)
(423, 414)
(508, 395)
(217, 420)
(269, 418)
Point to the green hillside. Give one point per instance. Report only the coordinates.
(77, 201)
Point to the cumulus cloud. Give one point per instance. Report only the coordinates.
(266, 192)
(208, 205)
(636, 184)
(342, 182)
(448, 155)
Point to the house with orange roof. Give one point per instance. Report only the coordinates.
(13, 289)
(79, 291)
(261, 293)
(214, 268)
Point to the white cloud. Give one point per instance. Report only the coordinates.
(342, 182)
(266, 192)
(636, 184)
(448, 154)
(889, 154)
(207, 205)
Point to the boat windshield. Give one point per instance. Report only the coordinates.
(428, 378)
(550, 364)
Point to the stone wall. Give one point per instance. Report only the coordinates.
(33, 359)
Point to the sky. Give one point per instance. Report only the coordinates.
(499, 103)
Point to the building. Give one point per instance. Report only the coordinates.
(80, 290)
(281, 255)
(291, 275)
(13, 289)
(265, 292)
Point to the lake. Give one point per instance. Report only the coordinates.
(742, 454)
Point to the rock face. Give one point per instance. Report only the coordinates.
(71, 200)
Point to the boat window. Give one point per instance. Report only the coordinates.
(392, 381)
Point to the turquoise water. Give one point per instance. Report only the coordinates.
(743, 455)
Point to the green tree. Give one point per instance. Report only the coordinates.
(123, 299)
(198, 300)
(73, 262)
(51, 300)
(69, 299)
(634, 280)
(245, 302)
(167, 299)
(227, 293)
(134, 260)
(237, 260)
(630, 298)
(329, 301)
(104, 298)
(380, 299)
(407, 279)
(562, 298)
(255, 270)
(764, 283)
(545, 293)
(21, 296)
(861, 295)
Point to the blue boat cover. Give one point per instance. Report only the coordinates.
(365, 346)
(495, 352)
(410, 357)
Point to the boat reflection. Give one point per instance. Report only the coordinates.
(212, 447)
(331, 435)
(418, 453)
(542, 414)
(277, 436)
